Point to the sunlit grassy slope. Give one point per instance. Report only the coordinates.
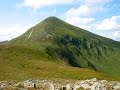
(49, 49)
(20, 63)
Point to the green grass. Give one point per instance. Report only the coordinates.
(39, 69)
(55, 46)
(18, 65)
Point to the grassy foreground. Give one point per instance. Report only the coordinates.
(12, 70)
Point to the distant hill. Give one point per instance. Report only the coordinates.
(60, 43)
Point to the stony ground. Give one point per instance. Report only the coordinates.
(92, 84)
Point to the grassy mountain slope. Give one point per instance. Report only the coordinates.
(21, 63)
(55, 42)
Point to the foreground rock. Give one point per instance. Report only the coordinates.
(92, 84)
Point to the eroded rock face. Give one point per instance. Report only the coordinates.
(92, 84)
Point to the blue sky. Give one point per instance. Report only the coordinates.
(98, 16)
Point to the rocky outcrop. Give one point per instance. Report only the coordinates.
(92, 84)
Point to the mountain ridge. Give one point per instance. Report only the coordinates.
(65, 37)
(54, 20)
(54, 40)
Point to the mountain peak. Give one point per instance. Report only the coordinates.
(53, 26)
(52, 18)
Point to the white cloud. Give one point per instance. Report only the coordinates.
(35, 4)
(82, 16)
(96, 2)
(112, 23)
(80, 11)
(109, 27)
(117, 35)
(81, 22)
(8, 33)
(88, 7)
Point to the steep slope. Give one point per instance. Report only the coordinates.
(57, 41)
(53, 27)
